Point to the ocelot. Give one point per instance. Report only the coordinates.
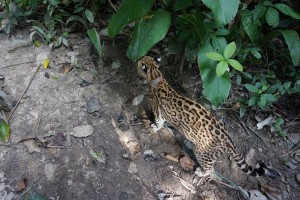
(210, 137)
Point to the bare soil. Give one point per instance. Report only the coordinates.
(54, 164)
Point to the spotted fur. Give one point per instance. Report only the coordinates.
(210, 137)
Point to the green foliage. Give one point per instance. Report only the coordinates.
(147, 32)
(130, 10)
(224, 60)
(95, 39)
(4, 130)
(199, 30)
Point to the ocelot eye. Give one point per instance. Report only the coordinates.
(144, 68)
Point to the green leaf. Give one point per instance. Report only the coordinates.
(182, 4)
(224, 11)
(77, 10)
(37, 43)
(272, 17)
(252, 101)
(229, 50)
(292, 40)
(77, 18)
(235, 64)
(147, 32)
(222, 67)
(215, 88)
(255, 53)
(270, 97)
(215, 56)
(95, 39)
(89, 15)
(287, 10)
(262, 101)
(251, 88)
(4, 130)
(129, 11)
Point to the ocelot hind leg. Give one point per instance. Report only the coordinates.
(207, 161)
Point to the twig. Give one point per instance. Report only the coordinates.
(24, 192)
(292, 151)
(113, 6)
(18, 102)
(16, 64)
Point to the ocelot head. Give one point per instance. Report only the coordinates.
(147, 68)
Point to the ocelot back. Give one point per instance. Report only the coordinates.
(210, 137)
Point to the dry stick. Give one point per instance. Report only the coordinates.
(18, 102)
(112, 5)
(16, 64)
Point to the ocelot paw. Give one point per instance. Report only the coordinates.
(156, 127)
(200, 173)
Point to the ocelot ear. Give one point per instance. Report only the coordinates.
(157, 59)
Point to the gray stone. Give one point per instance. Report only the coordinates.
(93, 105)
(5, 103)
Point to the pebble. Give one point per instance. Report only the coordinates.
(5, 103)
(93, 105)
(82, 131)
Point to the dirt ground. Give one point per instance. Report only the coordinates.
(77, 135)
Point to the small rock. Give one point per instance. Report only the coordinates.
(82, 131)
(85, 83)
(2, 79)
(115, 64)
(132, 168)
(87, 76)
(93, 105)
(73, 53)
(5, 103)
(49, 171)
(31, 146)
(137, 100)
(104, 32)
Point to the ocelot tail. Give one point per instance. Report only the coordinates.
(210, 137)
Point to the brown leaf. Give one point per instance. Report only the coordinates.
(65, 68)
(272, 193)
(21, 185)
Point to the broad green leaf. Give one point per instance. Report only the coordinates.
(224, 10)
(147, 32)
(222, 67)
(262, 101)
(215, 56)
(255, 53)
(235, 64)
(229, 50)
(292, 40)
(95, 39)
(251, 21)
(77, 10)
(37, 43)
(272, 17)
(252, 101)
(182, 4)
(249, 26)
(77, 18)
(89, 15)
(251, 88)
(4, 131)
(270, 97)
(39, 31)
(287, 10)
(215, 88)
(129, 11)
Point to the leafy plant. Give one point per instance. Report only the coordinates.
(4, 129)
(225, 60)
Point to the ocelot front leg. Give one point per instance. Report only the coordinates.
(159, 121)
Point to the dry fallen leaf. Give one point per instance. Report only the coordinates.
(21, 185)
(46, 63)
(65, 68)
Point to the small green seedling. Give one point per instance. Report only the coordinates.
(225, 60)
